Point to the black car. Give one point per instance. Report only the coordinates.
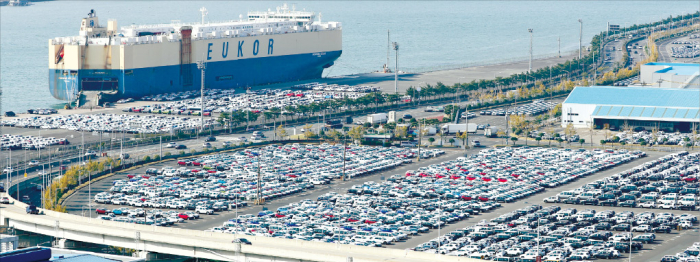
(10, 114)
(210, 139)
(628, 203)
(2, 188)
(591, 201)
(602, 226)
(621, 227)
(571, 201)
(608, 202)
(181, 147)
(242, 241)
(407, 116)
(662, 229)
(32, 210)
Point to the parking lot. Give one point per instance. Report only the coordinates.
(487, 186)
(296, 181)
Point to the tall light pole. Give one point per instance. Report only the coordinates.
(529, 69)
(559, 42)
(396, 68)
(580, 35)
(202, 66)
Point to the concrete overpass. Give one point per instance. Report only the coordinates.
(194, 243)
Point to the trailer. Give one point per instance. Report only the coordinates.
(377, 118)
(455, 128)
(491, 131)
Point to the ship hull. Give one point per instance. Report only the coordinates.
(240, 73)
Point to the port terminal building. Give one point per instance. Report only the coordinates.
(669, 75)
(635, 108)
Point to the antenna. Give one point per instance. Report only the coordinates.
(204, 13)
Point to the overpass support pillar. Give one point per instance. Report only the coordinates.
(147, 255)
(65, 243)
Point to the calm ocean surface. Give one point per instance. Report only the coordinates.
(431, 34)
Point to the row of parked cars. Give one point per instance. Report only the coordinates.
(556, 234)
(146, 124)
(690, 254)
(13, 142)
(156, 217)
(228, 101)
(221, 180)
(670, 182)
(687, 49)
(659, 138)
(535, 108)
(336, 87)
(626, 82)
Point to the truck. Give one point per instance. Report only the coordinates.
(491, 131)
(454, 128)
(377, 118)
(334, 123)
(430, 130)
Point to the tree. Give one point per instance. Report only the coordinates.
(335, 135)
(560, 140)
(356, 133)
(556, 111)
(602, 142)
(308, 131)
(463, 136)
(401, 132)
(514, 138)
(281, 132)
(538, 140)
(581, 141)
(570, 131)
(431, 140)
(452, 141)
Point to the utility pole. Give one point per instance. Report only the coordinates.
(580, 35)
(529, 70)
(396, 68)
(559, 42)
(201, 65)
(344, 149)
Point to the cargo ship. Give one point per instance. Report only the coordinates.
(275, 46)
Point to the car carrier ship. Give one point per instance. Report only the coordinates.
(279, 45)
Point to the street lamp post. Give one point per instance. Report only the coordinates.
(201, 65)
(396, 68)
(529, 70)
(580, 35)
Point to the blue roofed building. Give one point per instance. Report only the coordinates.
(44, 254)
(667, 109)
(669, 75)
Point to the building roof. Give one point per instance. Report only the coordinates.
(635, 96)
(80, 258)
(646, 112)
(677, 68)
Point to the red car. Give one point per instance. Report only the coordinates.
(196, 163)
(101, 211)
(183, 216)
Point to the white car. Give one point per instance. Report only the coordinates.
(171, 145)
(641, 228)
(552, 199)
(667, 206)
(648, 204)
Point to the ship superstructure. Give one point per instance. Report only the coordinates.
(267, 47)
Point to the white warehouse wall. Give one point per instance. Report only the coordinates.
(577, 114)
